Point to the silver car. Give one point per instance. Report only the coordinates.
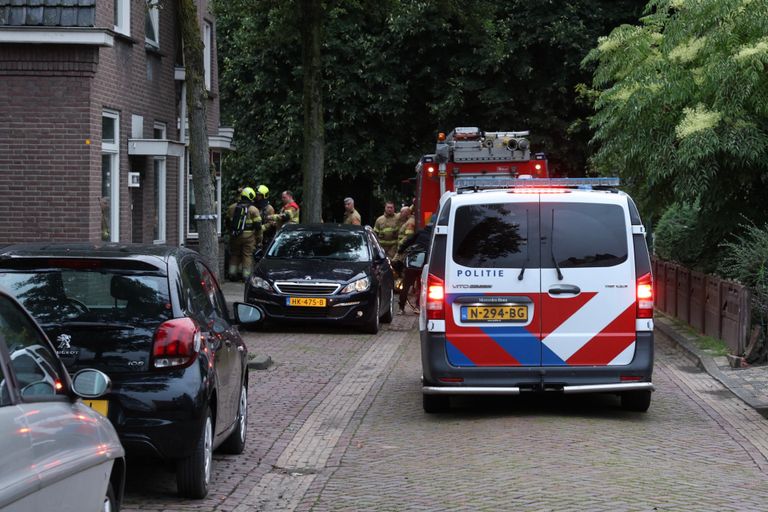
(56, 452)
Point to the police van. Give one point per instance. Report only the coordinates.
(537, 285)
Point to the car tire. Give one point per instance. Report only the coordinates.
(110, 502)
(390, 314)
(193, 473)
(371, 325)
(636, 401)
(435, 404)
(235, 443)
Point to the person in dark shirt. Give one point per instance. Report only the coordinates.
(419, 240)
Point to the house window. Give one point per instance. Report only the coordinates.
(152, 23)
(109, 200)
(160, 202)
(207, 31)
(123, 17)
(191, 211)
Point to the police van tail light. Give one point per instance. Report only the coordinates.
(435, 298)
(177, 343)
(645, 296)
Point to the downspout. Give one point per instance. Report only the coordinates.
(182, 162)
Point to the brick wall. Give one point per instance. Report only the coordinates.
(44, 155)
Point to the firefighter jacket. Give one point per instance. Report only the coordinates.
(289, 213)
(252, 220)
(352, 217)
(267, 228)
(386, 229)
(406, 230)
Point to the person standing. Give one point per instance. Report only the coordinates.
(244, 221)
(267, 232)
(407, 224)
(351, 216)
(289, 213)
(420, 238)
(386, 229)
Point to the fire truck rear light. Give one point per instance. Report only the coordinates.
(430, 169)
(435, 298)
(537, 167)
(645, 296)
(441, 137)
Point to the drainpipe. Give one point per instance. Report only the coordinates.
(182, 162)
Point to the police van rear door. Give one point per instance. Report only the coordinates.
(587, 280)
(492, 281)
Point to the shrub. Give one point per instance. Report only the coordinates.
(677, 236)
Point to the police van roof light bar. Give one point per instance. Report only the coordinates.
(482, 183)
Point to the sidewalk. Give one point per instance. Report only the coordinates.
(749, 384)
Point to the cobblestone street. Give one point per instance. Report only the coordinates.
(336, 424)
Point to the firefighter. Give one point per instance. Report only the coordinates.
(407, 224)
(289, 213)
(267, 232)
(244, 222)
(351, 216)
(420, 241)
(386, 229)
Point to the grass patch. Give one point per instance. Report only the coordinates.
(712, 346)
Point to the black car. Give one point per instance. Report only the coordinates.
(153, 318)
(324, 273)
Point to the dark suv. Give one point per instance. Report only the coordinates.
(154, 319)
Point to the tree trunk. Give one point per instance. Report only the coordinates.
(197, 98)
(314, 129)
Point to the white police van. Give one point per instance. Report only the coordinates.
(542, 285)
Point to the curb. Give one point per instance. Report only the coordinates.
(259, 362)
(687, 341)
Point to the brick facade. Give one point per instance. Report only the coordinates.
(52, 97)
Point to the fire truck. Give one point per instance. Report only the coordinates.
(467, 154)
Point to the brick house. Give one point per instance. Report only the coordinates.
(92, 146)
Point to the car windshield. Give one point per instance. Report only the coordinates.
(326, 245)
(56, 296)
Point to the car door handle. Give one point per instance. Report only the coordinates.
(559, 289)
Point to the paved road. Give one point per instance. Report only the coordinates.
(337, 424)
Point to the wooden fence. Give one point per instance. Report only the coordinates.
(711, 305)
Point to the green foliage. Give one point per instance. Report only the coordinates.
(676, 236)
(746, 260)
(681, 106)
(398, 71)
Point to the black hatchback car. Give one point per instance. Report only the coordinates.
(154, 319)
(324, 273)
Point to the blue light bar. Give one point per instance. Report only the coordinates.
(486, 182)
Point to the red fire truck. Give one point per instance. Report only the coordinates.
(469, 154)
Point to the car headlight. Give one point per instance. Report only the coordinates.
(258, 282)
(357, 286)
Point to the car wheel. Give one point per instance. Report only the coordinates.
(390, 314)
(636, 401)
(434, 404)
(371, 325)
(110, 502)
(193, 473)
(235, 443)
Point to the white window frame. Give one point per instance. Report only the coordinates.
(207, 52)
(154, 17)
(113, 150)
(190, 192)
(161, 200)
(123, 17)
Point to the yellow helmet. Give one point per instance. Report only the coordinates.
(263, 190)
(248, 193)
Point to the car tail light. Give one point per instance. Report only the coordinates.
(177, 343)
(645, 296)
(435, 298)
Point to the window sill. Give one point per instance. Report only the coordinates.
(125, 38)
(154, 50)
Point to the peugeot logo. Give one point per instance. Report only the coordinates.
(307, 278)
(64, 341)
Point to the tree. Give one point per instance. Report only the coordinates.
(682, 110)
(314, 131)
(199, 164)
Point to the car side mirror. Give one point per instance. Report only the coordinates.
(247, 313)
(90, 383)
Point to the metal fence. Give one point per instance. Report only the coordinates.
(710, 305)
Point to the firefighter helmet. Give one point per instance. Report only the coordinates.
(263, 190)
(248, 193)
